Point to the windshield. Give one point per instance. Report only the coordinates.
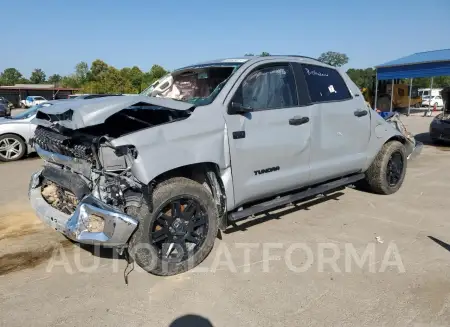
(29, 112)
(199, 84)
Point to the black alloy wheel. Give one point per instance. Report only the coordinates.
(180, 228)
(394, 171)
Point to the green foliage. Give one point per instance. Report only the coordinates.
(10, 76)
(263, 54)
(81, 72)
(98, 68)
(333, 58)
(37, 76)
(55, 79)
(362, 77)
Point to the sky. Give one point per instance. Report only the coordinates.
(56, 35)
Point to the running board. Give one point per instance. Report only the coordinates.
(287, 199)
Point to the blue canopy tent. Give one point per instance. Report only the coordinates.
(421, 64)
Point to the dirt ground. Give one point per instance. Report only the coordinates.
(46, 280)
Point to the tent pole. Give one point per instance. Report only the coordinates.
(410, 94)
(392, 94)
(376, 92)
(429, 99)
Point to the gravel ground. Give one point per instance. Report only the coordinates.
(284, 279)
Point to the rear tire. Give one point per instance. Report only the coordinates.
(387, 172)
(149, 253)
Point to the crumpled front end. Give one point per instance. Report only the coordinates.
(413, 146)
(85, 189)
(92, 221)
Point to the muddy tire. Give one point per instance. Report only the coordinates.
(180, 231)
(387, 172)
(12, 147)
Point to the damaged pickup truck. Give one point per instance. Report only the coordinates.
(159, 174)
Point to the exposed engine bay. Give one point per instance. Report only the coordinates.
(86, 164)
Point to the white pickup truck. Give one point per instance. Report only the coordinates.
(32, 101)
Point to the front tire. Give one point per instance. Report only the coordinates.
(387, 172)
(180, 231)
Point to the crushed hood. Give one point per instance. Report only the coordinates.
(76, 114)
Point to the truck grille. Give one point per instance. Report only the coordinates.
(55, 142)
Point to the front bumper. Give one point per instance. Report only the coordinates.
(417, 150)
(117, 226)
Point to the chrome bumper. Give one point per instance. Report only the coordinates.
(117, 229)
(416, 151)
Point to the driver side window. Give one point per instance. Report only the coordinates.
(269, 88)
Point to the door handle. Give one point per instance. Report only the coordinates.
(297, 120)
(360, 113)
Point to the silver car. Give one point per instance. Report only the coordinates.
(15, 132)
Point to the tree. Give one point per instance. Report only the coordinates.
(249, 55)
(81, 72)
(156, 72)
(333, 58)
(55, 79)
(10, 76)
(264, 54)
(135, 76)
(362, 77)
(37, 76)
(98, 67)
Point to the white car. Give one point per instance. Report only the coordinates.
(31, 101)
(435, 100)
(16, 131)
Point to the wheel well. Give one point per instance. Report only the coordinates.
(399, 138)
(205, 173)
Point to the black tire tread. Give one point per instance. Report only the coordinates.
(163, 191)
(376, 174)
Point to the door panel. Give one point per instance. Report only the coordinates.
(340, 125)
(274, 154)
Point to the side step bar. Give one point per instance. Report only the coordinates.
(284, 200)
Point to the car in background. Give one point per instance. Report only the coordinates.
(4, 110)
(15, 132)
(90, 96)
(6, 102)
(440, 125)
(31, 101)
(434, 100)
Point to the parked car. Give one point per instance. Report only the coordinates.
(15, 133)
(4, 110)
(159, 176)
(31, 101)
(432, 101)
(440, 125)
(8, 104)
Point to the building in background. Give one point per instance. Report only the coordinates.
(19, 92)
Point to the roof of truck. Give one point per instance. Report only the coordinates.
(237, 61)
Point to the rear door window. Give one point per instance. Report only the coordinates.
(325, 84)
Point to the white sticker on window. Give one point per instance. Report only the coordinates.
(331, 89)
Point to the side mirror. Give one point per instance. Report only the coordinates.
(237, 108)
